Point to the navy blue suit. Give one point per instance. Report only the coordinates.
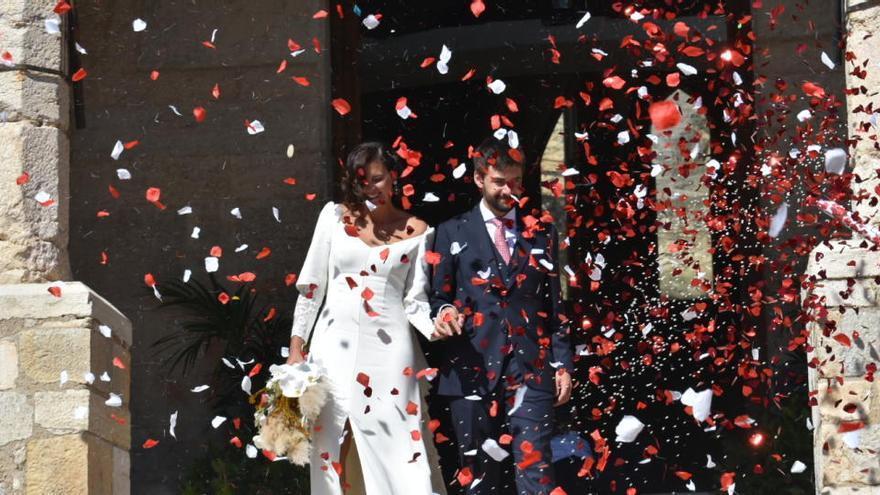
(513, 334)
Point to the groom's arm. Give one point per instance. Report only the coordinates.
(443, 272)
(562, 348)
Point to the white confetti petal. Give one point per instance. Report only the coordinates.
(201, 388)
(513, 139)
(798, 467)
(217, 421)
(138, 25)
(89, 377)
(827, 61)
(186, 210)
(246, 384)
(42, 197)
(236, 212)
(172, 424)
(241, 248)
(63, 379)
(250, 451)
(53, 25)
(430, 198)
(212, 263)
(370, 22)
(105, 330)
(583, 20)
(105, 377)
(459, 171)
(186, 275)
(700, 402)
(456, 248)
(518, 399)
(255, 127)
(804, 115)
(114, 400)
(778, 220)
(123, 174)
(628, 429)
(277, 214)
(195, 233)
(80, 49)
(290, 150)
(835, 161)
(491, 447)
(686, 69)
(497, 86)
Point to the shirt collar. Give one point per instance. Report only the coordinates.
(488, 215)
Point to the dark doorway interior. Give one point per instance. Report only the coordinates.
(650, 346)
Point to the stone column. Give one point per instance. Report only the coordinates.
(64, 351)
(845, 335)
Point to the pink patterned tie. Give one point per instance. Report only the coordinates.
(501, 240)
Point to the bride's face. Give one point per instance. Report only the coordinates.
(379, 184)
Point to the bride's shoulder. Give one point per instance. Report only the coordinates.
(416, 226)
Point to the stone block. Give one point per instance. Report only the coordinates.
(12, 458)
(18, 417)
(35, 301)
(850, 490)
(46, 352)
(844, 260)
(66, 411)
(855, 400)
(8, 364)
(846, 466)
(836, 359)
(58, 466)
(32, 246)
(40, 98)
(29, 43)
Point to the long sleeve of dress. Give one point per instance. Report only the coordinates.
(313, 278)
(418, 283)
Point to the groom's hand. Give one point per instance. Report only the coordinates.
(563, 387)
(448, 322)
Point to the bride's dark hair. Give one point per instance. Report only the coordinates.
(354, 173)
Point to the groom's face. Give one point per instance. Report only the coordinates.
(499, 187)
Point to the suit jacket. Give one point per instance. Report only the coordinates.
(514, 311)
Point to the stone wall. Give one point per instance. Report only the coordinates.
(845, 308)
(63, 362)
(34, 109)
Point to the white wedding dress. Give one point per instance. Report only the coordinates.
(363, 337)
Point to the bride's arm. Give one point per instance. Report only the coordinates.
(415, 301)
(312, 281)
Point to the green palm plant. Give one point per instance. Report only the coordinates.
(204, 318)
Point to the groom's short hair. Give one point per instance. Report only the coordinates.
(497, 154)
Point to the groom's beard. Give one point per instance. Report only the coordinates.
(501, 204)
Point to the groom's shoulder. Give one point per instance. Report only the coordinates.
(455, 222)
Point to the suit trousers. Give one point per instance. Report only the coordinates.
(530, 425)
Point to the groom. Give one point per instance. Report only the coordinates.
(506, 354)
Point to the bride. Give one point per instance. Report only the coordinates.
(366, 264)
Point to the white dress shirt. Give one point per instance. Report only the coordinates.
(509, 229)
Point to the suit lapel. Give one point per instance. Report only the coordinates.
(522, 251)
